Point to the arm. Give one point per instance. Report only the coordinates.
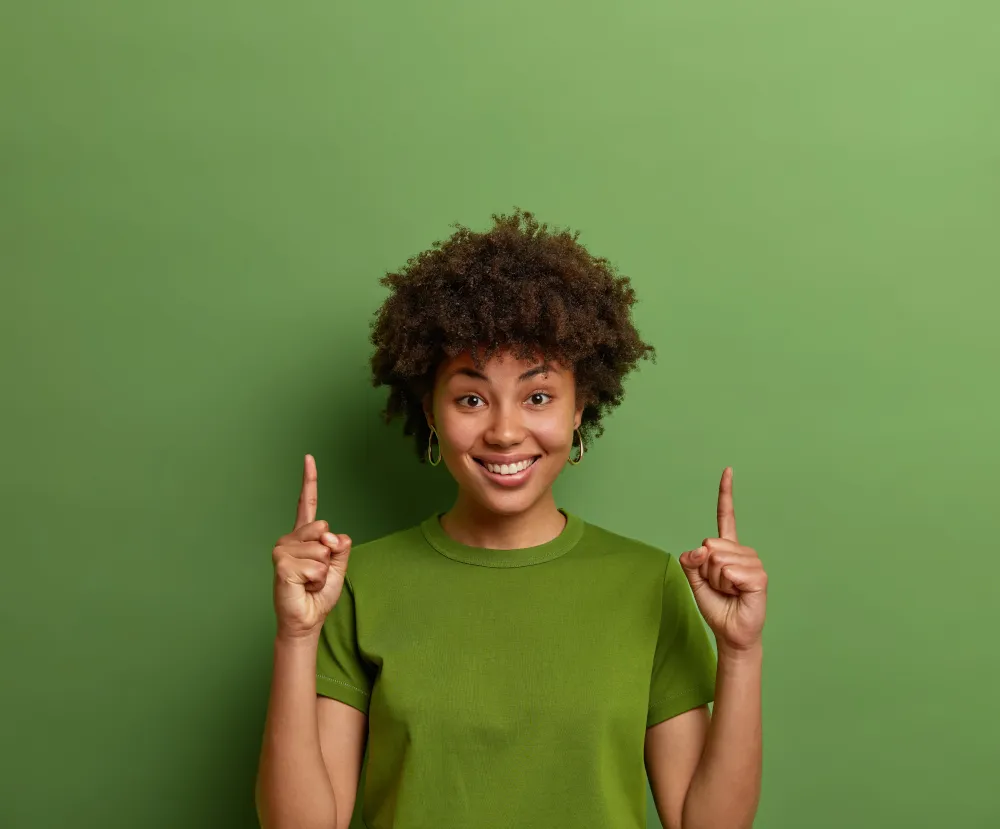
(706, 773)
(311, 756)
(343, 735)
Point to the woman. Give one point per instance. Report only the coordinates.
(511, 664)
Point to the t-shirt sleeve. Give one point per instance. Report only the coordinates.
(341, 670)
(684, 663)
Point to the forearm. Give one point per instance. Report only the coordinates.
(725, 789)
(293, 786)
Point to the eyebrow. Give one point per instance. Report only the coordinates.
(531, 372)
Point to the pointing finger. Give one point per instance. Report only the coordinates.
(725, 513)
(309, 496)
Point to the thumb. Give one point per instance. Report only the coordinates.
(691, 562)
(341, 552)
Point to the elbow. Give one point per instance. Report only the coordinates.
(265, 813)
(271, 814)
(698, 814)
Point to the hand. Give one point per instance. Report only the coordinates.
(728, 580)
(310, 564)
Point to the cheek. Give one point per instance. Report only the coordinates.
(459, 433)
(553, 437)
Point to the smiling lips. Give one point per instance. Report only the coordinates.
(508, 473)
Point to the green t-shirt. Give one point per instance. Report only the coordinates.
(512, 688)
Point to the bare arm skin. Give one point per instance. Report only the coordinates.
(313, 747)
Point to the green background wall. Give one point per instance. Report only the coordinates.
(197, 200)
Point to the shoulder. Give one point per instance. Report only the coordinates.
(625, 548)
(385, 552)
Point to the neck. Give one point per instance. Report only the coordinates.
(469, 522)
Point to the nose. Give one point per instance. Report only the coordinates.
(505, 427)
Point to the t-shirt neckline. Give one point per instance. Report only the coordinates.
(488, 557)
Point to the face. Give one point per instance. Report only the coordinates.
(521, 413)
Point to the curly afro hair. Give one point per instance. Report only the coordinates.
(519, 287)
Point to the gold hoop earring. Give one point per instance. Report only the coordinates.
(430, 437)
(580, 458)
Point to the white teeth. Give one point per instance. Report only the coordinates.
(509, 469)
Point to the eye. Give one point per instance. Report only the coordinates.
(539, 394)
(470, 397)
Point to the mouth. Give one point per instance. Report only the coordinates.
(508, 474)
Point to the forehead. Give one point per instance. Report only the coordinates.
(501, 364)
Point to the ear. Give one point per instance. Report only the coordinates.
(582, 399)
(428, 405)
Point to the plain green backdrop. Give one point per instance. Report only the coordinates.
(198, 199)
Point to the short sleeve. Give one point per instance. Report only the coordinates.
(340, 668)
(684, 663)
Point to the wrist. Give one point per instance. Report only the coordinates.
(738, 655)
(289, 640)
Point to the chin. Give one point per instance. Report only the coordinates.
(509, 505)
(499, 500)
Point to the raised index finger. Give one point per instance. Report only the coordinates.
(309, 496)
(725, 513)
